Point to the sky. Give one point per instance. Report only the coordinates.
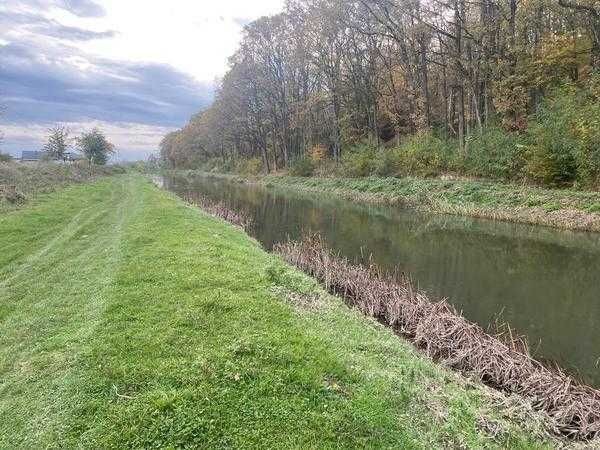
(137, 69)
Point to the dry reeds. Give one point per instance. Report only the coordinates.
(444, 335)
(218, 209)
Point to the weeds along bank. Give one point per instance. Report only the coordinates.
(22, 182)
(559, 208)
(132, 320)
(502, 362)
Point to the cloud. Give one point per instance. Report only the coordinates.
(28, 23)
(81, 8)
(85, 62)
(242, 21)
(134, 103)
(39, 84)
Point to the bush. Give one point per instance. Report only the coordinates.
(249, 167)
(359, 161)
(303, 167)
(217, 165)
(318, 153)
(388, 162)
(5, 157)
(423, 154)
(494, 153)
(564, 138)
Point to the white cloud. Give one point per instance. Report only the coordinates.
(196, 37)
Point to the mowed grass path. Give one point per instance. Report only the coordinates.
(130, 320)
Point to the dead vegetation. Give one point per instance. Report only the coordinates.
(218, 209)
(11, 194)
(501, 361)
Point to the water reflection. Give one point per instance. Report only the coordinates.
(545, 283)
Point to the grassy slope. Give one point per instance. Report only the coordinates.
(128, 319)
(32, 179)
(561, 208)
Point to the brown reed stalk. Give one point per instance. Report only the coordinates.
(500, 361)
(218, 209)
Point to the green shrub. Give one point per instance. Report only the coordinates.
(564, 138)
(303, 167)
(223, 166)
(359, 161)
(550, 154)
(249, 167)
(494, 153)
(5, 157)
(423, 154)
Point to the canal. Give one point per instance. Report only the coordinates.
(545, 283)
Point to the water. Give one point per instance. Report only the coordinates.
(545, 283)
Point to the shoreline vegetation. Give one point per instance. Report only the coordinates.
(557, 208)
(132, 319)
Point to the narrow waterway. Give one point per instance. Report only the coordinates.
(545, 283)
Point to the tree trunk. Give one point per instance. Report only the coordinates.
(425, 80)
(460, 91)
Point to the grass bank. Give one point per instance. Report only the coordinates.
(20, 183)
(559, 208)
(131, 320)
(567, 209)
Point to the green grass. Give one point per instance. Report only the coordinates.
(560, 208)
(32, 179)
(130, 320)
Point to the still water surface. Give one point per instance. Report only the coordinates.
(545, 283)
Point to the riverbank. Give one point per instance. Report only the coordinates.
(130, 319)
(559, 208)
(22, 182)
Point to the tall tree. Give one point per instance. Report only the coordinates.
(95, 147)
(58, 142)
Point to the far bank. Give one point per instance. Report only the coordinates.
(559, 208)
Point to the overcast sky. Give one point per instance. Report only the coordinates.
(135, 68)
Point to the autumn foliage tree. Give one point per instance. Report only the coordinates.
(334, 73)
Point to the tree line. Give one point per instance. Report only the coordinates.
(326, 75)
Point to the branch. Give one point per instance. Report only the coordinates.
(577, 6)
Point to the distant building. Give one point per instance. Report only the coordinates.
(34, 156)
